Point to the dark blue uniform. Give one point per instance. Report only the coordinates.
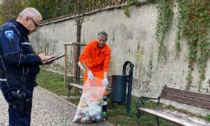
(17, 59)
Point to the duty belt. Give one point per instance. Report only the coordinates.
(17, 77)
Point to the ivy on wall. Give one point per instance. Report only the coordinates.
(193, 22)
(183, 12)
(198, 40)
(128, 4)
(163, 22)
(135, 2)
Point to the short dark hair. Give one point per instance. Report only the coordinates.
(103, 33)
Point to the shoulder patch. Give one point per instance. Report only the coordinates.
(9, 34)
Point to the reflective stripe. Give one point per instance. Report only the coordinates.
(25, 43)
(3, 79)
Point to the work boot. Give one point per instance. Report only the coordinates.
(104, 107)
(104, 116)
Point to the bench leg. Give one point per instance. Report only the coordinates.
(157, 121)
(69, 88)
(139, 114)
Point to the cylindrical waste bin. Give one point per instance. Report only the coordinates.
(118, 88)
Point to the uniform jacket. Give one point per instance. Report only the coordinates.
(17, 56)
(96, 58)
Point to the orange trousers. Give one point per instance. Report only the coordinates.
(99, 74)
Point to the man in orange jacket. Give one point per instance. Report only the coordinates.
(95, 59)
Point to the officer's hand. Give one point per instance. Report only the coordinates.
(46, 59)
(42, 56)
(49, 58)
(105, 82)
(90, 75)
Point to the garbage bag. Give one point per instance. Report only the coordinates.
(91, 101)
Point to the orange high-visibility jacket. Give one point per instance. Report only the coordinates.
(96, 58)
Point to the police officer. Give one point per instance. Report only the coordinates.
(19, 65)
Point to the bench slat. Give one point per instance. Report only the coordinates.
(76, 85)
(204, 97)
(186, 100)
(175, 117)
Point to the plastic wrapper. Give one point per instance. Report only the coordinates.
(91, 101)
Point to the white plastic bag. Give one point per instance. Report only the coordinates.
(91, 101)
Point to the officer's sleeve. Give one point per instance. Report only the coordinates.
(10, 50)
(30, 60)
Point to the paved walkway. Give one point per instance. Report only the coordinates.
(48, 110)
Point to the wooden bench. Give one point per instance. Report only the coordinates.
(180, 96)
(80, 86)
(70, 86)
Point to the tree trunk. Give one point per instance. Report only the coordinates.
(79, 27)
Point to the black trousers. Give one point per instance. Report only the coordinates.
(16, 118)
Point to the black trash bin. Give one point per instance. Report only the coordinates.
(118, 88)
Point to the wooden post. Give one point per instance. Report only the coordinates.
(75, 45)
(65, 64)
(74, 62)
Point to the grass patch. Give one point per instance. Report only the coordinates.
(52, 82)
(207, 118)
(116, 112)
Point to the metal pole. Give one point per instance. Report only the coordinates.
(130, 78)
(129, 96)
